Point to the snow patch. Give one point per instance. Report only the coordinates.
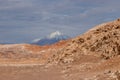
(36, 40)
(54, 34)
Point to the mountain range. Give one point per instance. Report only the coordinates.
(51, 39)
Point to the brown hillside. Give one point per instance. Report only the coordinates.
(26, 53)
(102, 41)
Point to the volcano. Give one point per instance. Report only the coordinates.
(51, 39)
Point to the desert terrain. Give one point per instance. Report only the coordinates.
(94, 55)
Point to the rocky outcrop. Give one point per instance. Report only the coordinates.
(102, 41)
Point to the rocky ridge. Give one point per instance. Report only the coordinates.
(101, 41)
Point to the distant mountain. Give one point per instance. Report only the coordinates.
(51, 39)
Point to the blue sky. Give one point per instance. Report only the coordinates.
(25, 20)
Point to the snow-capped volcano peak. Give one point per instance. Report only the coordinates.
(51, 39)
(55, 34)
